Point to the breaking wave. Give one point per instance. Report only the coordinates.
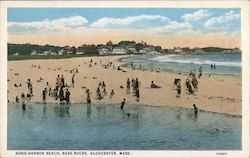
(199, 61)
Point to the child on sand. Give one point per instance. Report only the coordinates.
(104, 92)
(112, 93)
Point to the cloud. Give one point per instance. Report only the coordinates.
(57, 24)
(171, 27)
(229, 16)
(195, 16)
(155, 29)
(103, 22)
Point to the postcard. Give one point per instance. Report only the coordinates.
(124, 79)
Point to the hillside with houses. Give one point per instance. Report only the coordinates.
(110, 48)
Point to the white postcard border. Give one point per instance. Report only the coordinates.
(244, 5)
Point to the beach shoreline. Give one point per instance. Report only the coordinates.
(218, 93)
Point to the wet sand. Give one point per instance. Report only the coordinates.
(218, 93)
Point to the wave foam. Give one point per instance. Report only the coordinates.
(198, 61)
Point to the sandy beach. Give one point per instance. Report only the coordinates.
(218, 93)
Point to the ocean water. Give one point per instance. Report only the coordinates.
(229, 64)
(103, 127)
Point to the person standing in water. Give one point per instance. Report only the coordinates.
(61, 95)
(67, 97)
(123, 103)
(88, 99)
(17, 99)
(23, 101)
(195, 109)
(44, 96)
(200, 71)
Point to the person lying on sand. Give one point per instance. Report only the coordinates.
(153, 85)
(119, 68)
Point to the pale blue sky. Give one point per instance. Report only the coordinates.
(93, 14)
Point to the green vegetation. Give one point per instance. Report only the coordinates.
(125, 43)
(37, 57)
(26, 49)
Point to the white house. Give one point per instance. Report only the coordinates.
(119, 50)
(53, 53)
(69, 52)
(46, 53)
(178, 50)
(79, 53)
(34, 52)
(147, 50)
(131, 50)
(60, 52)
(104, 51)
